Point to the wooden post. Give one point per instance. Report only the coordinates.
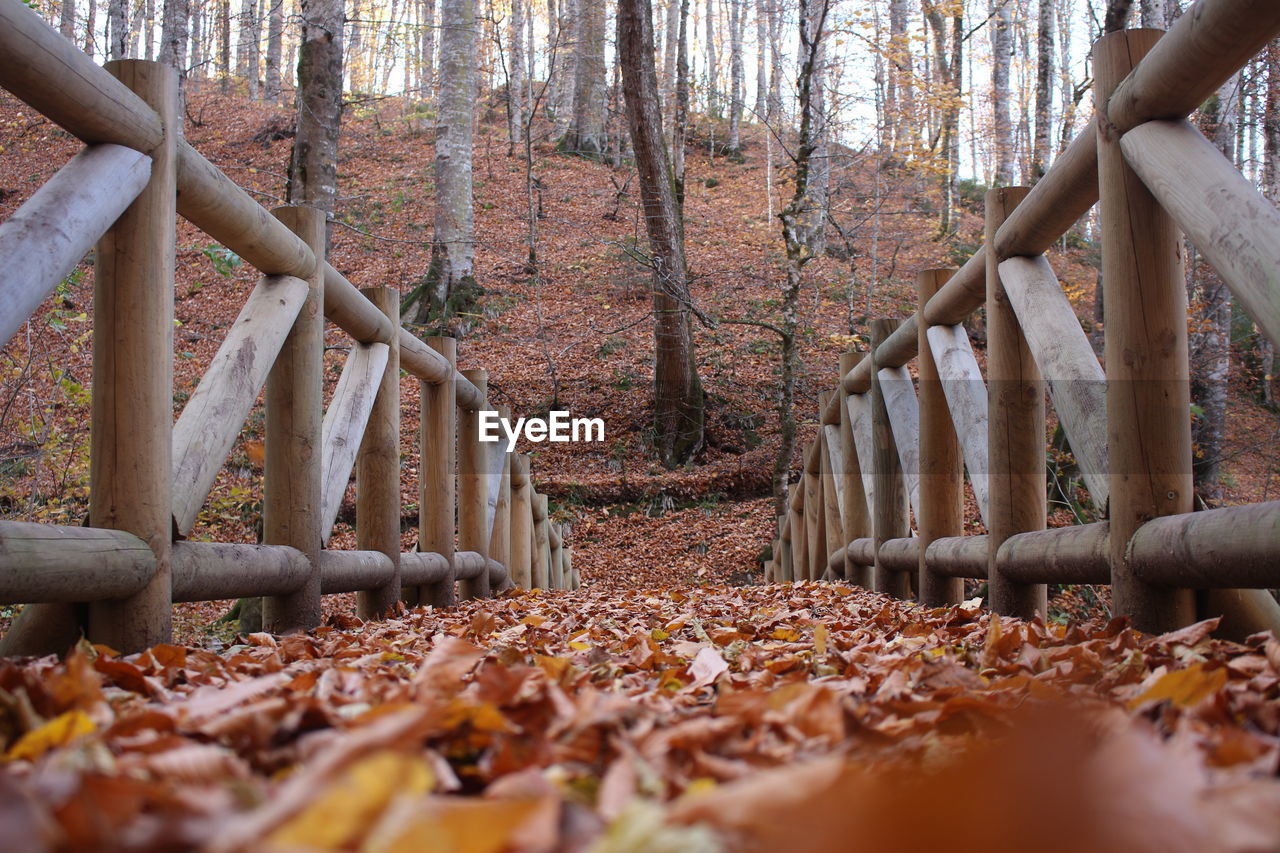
(1148, 388)
(941, 472)
(541, 569)
(130, 467)
(473, 485)
(500, 535)
(833, 519)
(889, 515)
(814, 516)
(436, 495)
(521, 522)
(378, 472)
(855, 518)
(1015, 426)
(292, 497)
(799, 534)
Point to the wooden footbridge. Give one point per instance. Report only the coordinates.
(890, 447)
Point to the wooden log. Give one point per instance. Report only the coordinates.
(44, 240)
(61, 82)
(1234, 226)
(1077, 384)
(500, 526)
(215, 413)
(859, 408)
(415, 360)
(900, 555)
(50, 563)
(353, 312)
(904, 419)
(1148, 388)
(1070, 555)
(831, 522)
(211, 571)
(437, 499)
(499, 578)
(901, 347)
(469, 565)
(963, 293)
(1233, 546)
(421, 568)
(966, 394)
(473, 459)
(855, 516)
(1063, 195)
(862, 550)
(575, 582)
(835, 469)
(958, 557)
(521, 522)
(1203, 48)
(541, 555)
(294, 413)
(815, 520)
(889, 512)
(344, 426)
(1244, 612)
(799, 568)
(352, 571)
(1015, 428)
(940, 502)
(130, 458)
(556, 539)
(378, 473)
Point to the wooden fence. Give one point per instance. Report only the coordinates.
(891, 448)
(116, 577)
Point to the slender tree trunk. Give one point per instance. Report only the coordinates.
(1270, 186)
(670, 46)
(737, 83)
(90, 26)
(67, 21)
(197, 36)
(1044, 90)
(680, 125)
(713, 91)
(901, 90)
(562, 79)
(118, 29)
(677, 391)
(1117, 16)
(450, 285)
(313, 166)
(247, 46)
(762, 49)
(224, 32)
(173, 34)
(818, 162)
(427, 45)
(775, 64)
(275, 46)
(516, 79)
(1002, 53)
(586, 135)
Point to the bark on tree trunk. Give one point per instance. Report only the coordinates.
(247, 46)
(67, 23)
(224, 49)
(762, 48)
(1270, 186)
(275, 45)
(737, 84)
(313, 166)
(516, 78)
(118, 29)
(1002, 53)
(173, 34)
(713, 93)
(901, 95)
(678, 399)
(1044, 90)
(586, 135)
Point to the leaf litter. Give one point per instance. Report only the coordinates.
(811, 717)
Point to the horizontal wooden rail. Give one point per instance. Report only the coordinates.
(52, 563)
(959, 556)
(1235, 546)
(213, 571)
(354, 571)
(49, 235)
(899, 555)
(1064, 555)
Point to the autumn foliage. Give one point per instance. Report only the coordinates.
(761, 718)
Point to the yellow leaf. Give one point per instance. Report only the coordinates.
(820, 634)
(348, 807)
(789, 635)
(1184, 687)
(659, 634)
(456, 825)
(582, 647)
(59, 731)
(533, 620)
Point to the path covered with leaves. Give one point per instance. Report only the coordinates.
(761, 718)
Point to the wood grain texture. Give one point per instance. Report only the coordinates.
(966, 394)
(344, 425)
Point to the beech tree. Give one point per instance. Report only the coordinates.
(678, 407)
(313, 178)
(737, 82)
(586, 134)
(1001, 56)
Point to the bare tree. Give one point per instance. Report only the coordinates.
(1044, 90)
(1001, 55)
(173, 34)
(762, 49)
(709, 48)
(1270, 186)
(737, 83)
(678, 406)
(313, 166)
(272, 86)
(247, 45)
(516, 77)
(118, 29)
(586, 135)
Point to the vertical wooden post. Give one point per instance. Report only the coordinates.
(473, 484)
(437, 499)
(558, 580)
(1016, 424)
(1148, 389)
(782, 559)
(856, 516)
(521, 522)
(814, 514)
(294, 417)
(799, 534)
(889, 517)
(941, 467)
(541, 544)
(378, 472)
(500, 535)
(130, 467)
(833, 519)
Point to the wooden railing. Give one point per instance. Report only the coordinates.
(890, 448)
(149, 477)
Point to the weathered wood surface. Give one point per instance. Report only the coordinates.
(959, 556)
(966, 393)
(855, 515)
(1063, 555)
(859, 406)
(1077, 384)
(352, 571)
(51, 563)
(904, 419)
(1233, 546)
(889, 514)
(437, 483)
(473, 481)
(215, 413)
(46, 238)
(212, 571)
(344, 425)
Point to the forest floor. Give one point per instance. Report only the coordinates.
(674, 703)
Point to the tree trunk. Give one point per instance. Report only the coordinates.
(118, 29)
(713, 92)
(516, 81)
(224, 50)
(1044, 91)
(313, 166)
(586, 135)
(677, 397)
(562, 82)
(812, 225)
(427, 45)
(737, 84)
(948, 64)
(762, 48)
(1117, 17)
(680, 124)
(67, 23)
(1155, 14)
(900, 102)
(450, 285)
(90, 25)
(775, 64)
(247, 46)
(1002, 53)
(173, 34)
(1271, 187)
(275, 46)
